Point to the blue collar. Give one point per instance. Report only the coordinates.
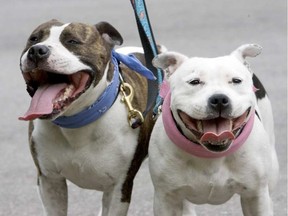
(107, 98)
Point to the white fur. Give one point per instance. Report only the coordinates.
(217, 82)
(178, 176)
(84, 157)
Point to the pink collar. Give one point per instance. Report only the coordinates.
(195, 149)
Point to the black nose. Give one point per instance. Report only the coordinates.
(219, 102)
(38, 52)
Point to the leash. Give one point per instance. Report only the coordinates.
(150, 51)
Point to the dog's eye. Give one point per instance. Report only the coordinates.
(73, 41)
(194, 82)
(236, 80)
(33, 39)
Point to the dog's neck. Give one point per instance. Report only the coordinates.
(194, 148)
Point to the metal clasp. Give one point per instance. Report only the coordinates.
(135, 117)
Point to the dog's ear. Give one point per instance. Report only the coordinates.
(246, 50)
(109, 33)
(169, 61)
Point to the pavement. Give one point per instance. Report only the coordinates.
(195, 28)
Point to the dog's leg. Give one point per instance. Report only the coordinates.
(112, 203)
(53, 193)
(100, 211)
(258, 205)
(188, 209)
(106, 199)
(167, 204)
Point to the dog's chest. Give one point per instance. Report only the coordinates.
(91, 158)
(213, 185)
(200, 180)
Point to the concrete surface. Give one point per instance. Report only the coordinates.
(196, 28)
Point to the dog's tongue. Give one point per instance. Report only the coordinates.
(42, 101)
(217, 130)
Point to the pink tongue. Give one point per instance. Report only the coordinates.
(42, 101)
(216, 131)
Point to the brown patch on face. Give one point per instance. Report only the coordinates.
(85, 42)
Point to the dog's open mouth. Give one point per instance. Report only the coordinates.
(216, 134)
(52, 92)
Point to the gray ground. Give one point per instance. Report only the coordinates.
(202, 28)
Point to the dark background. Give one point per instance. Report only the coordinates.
(195, 28)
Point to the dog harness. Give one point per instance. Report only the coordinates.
(107, 98)
(196, 149)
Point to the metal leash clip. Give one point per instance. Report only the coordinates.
(135, 117)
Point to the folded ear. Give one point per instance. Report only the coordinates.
(109, 33)
(246, 50)
(169, 61)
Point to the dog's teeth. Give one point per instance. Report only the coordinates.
(231, 124)
(68, 91)
(65, 95)
(199, 126)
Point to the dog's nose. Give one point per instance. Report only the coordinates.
(38, 52)
(219, 102)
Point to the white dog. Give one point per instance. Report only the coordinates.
(215, 137)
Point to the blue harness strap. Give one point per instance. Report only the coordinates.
(134, 64)
(150, 51)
